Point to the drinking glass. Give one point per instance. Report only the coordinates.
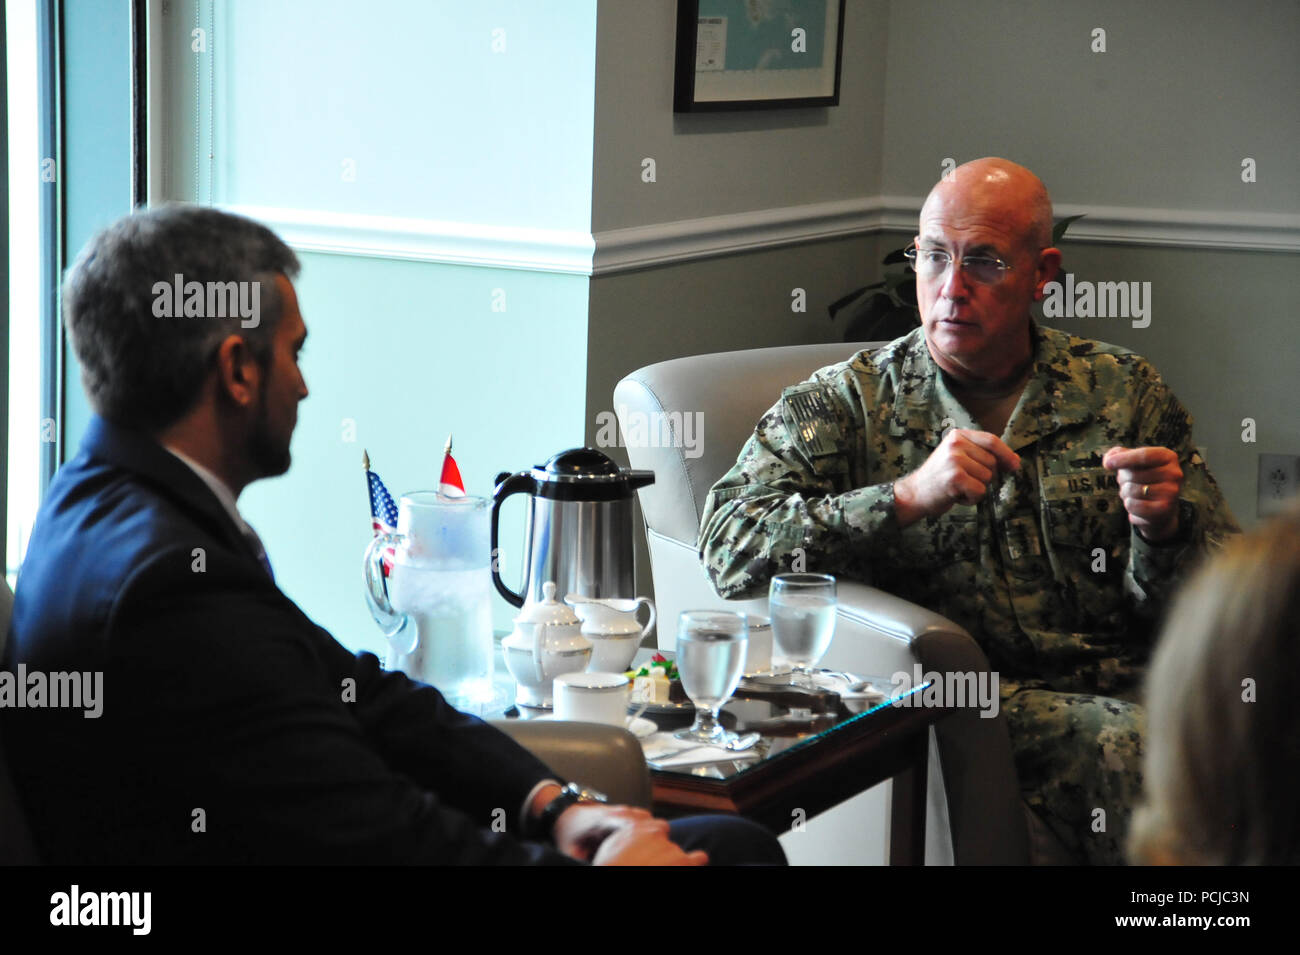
(711, 648)
(802, 607)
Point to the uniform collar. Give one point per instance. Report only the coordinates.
(1058, 394)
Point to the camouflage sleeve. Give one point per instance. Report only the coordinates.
(789, 504)
(1204, 523)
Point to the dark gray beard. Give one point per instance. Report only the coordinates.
(268, 457)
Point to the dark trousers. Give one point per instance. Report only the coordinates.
(729, 840)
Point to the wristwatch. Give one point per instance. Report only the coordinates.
(543, 826)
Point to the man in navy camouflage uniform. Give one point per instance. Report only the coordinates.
(1041, 490)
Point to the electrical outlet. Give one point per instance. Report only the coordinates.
(1279, 479)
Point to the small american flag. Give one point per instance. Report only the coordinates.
(383, 513)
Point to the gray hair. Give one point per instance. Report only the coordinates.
(142, 366)
(1222, 772)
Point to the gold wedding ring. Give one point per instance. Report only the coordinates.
(1145, 489)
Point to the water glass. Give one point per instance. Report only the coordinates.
(802, 607)
(711, 647)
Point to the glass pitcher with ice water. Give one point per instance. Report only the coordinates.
(435, 605)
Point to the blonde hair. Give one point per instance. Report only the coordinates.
(1222, 771)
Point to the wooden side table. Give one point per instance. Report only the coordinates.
(818, 772)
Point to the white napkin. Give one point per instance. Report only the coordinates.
(663, 751)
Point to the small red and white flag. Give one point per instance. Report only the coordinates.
(450, 483)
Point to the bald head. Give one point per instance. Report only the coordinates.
(996, 185)
(977, 323)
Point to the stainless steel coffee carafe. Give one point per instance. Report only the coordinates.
(579, 526)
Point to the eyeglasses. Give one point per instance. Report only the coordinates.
(931, 263)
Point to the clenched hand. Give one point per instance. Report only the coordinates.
(958, 471)
(1150, 480)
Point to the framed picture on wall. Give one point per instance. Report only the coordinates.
(757, 54)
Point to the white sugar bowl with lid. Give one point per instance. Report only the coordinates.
(547, 641)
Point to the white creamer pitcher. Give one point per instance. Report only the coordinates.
(611, 624)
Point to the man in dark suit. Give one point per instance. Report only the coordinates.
(233, 729)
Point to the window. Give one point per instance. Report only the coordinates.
(24, 429)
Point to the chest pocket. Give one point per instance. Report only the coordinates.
(1082, 509)
(951, 538)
